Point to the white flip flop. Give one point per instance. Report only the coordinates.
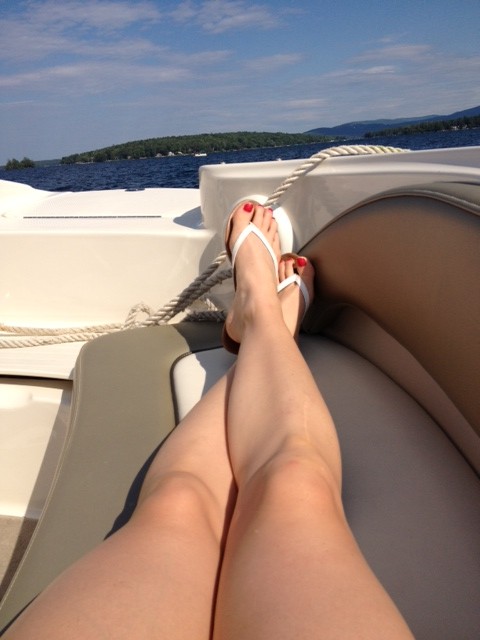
(284, 225)
(297, 280)
(252, 228)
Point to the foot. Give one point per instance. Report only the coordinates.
(256, 276)
(291, 298)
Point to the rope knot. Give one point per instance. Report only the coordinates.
(131, 321)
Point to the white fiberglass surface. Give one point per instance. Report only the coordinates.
(76, 276)
(33, 422)
(332, 187)
(76, 259)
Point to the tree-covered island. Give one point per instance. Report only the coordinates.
(26, 163)
(192, 144)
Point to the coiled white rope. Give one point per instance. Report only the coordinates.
(16, 337)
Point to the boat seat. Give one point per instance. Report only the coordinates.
(122, 410)
(395, 350)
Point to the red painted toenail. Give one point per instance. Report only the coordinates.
(248, 207)
(301, 262)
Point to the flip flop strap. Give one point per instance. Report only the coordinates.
(296, 279)
(251, 228)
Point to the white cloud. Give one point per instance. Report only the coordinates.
(394, 81)
(218, 16)
(74, 28)
(185, 11)
(79, 47)
(81, 79)
(104, 15)
(201, 58)
(305, 104)
(25, 42)
(408, 52)
(271, 63)
(379, 70)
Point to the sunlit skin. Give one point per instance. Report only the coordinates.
(239, 532)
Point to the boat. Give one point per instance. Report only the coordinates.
(106, 344)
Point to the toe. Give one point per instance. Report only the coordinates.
(241, 216)
(264, 220)
(300, 264)
(303, 266)
(286, 267)
(305, 270)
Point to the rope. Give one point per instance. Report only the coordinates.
(16, 337)
(321, 156)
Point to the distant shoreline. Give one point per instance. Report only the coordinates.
(450, 126)
(194, 145)
(457, 124)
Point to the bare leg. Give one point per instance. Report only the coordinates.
(292, 568)
(156, 577)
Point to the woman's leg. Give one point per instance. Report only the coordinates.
(156, 577)
(292, 568)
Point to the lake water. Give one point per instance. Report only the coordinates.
(182, 171)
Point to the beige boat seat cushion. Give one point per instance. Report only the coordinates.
(410, 497)
(381, 344)
(410, 260)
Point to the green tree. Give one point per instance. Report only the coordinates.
(190, 144)
(26, 163)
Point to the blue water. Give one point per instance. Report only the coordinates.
(182, 171)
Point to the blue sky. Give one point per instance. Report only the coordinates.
(77, 75)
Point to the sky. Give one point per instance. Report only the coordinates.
(78, 75)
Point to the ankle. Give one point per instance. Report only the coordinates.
(263, 310)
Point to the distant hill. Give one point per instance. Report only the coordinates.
(360, 128)
(202, 143)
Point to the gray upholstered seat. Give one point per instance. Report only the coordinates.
(394, 346)
(411, 498)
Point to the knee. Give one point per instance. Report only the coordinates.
(178, 498)
(299, 477)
